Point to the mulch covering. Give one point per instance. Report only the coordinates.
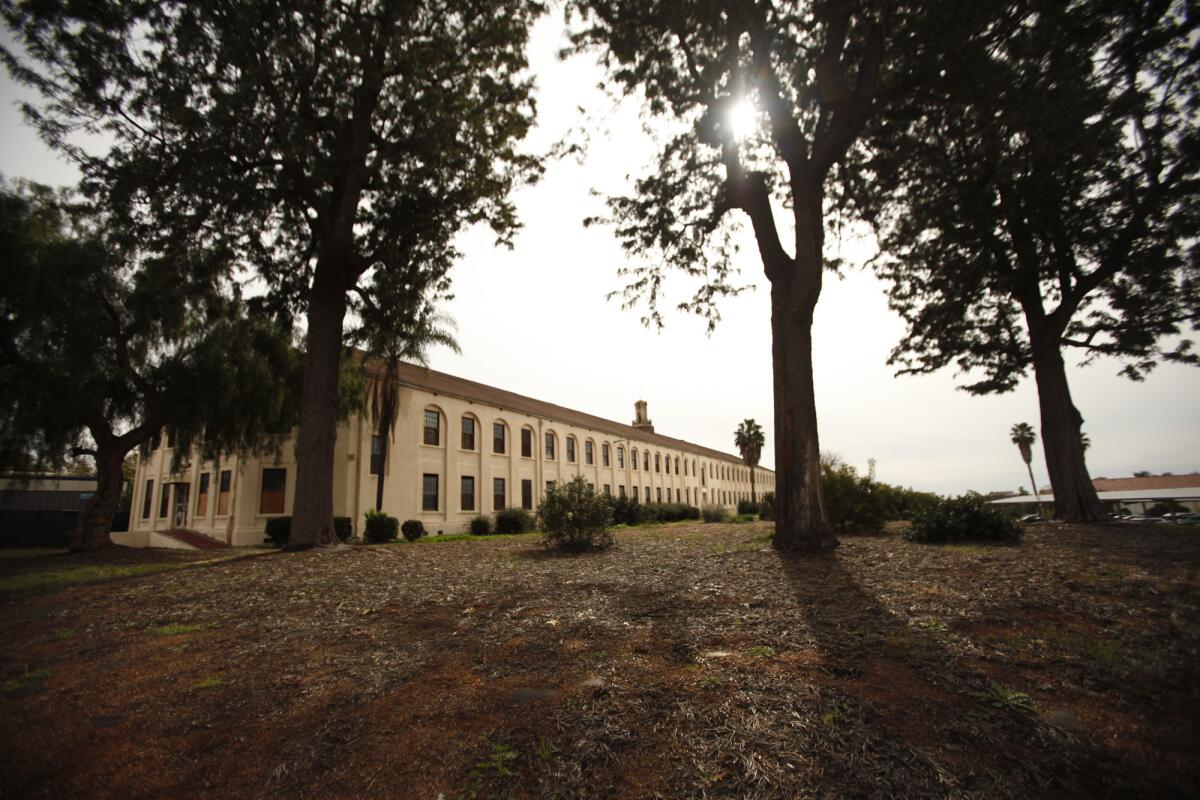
(688, 661)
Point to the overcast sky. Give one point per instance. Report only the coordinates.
(535, 320)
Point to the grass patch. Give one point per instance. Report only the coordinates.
(1007, 699)
(210, 682)
(60, 579)
(174, 630)
(29, 678)
(31, 552)
(761, 651)
(62, 634)
(470, 537)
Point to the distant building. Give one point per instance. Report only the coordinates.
(1136, 494)
(40, 510)
(459, 449)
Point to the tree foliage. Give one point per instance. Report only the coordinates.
(102, 346)
(749, 440)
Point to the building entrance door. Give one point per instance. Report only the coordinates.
(181, 504)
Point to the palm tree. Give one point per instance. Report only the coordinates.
(393, 338)
(1023, 436)
(1085, 441)
(749, 440)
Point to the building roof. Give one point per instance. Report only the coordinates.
(1151, 482)
(1191, 493)
(431, 380)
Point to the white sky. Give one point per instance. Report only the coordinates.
(535, 320)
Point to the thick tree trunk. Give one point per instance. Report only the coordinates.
(801, 520)
(312, 509)
(1075, 497)
(95, 518)
(753, 494)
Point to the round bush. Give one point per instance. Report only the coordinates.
(713, 514)
(574, 517)
(278, 529)
(380, 527)
(481, 525)
(766, 506)
(514, 520)
(966, 518)
(343, 527)
(412, 529)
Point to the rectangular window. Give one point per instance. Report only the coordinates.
(658, 494)
(592, 488)
(433, 427)
(498, 433)
(604, 453)
(589, 455)
(620, 490)
(468, 433)
(164, 500)
(676, 465)
(376, 454)
(499, 495)
(550, 446)
(608, 490)
(620, 458)
(657, 463)
(148, 500)
(549, 486)
(636, 494)
(633, 458)
(274, 482)
(223, 493)
(571, 449)
(202, 496)
(667, 465)
(526, 443)
(429, 492)
(468, 492)
(647, 494)
(646, 460)
(527, 494)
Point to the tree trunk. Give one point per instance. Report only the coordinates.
(1075, 497)
(1036, 493)
(801, 520)
(312, 509)
(753, 495)
(383, 454)
(95, 518)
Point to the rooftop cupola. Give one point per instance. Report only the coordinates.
(640, 420)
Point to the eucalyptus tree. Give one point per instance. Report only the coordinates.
(749, 440)
(1039, 194)
(102, 346)
(322, 141)
(761, 101)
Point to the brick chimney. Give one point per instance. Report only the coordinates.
(640, 420)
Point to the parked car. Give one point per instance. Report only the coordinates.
(1031, 518)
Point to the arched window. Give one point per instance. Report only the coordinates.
(589, 452)
(550, 442)
(571, 449)
(605, 452)
(633, 456)
(620, 457)
(470, 430)
(432, 433)
(658, 462)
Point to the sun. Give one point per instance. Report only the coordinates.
(743, 119)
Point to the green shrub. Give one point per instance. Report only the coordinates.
(380, 527)
(713, 514)
(740, 518)
(766, 506)
(966, 518)
(280, 528)
(481, 525)
(514, 520)
(574, 517)
(412, 529)
(625, 511)
(853, 503)
(747, 507)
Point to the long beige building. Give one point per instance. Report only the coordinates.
(459, 449)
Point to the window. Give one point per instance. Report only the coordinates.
(433, 427)
(657, 462)
(499, 496)
(223, 492)
(170, 438)
(498, 434)
(604, 454)
(633, 457)
(667, 465)
(526, 494)
(647, 494)
(646, 460)
(274, 482)
(608, 490)
(636, 495)
(550, 446)
(549, 486)
(685, 472)
(202, 496)
(678, 496)
(621, 458)
(591, 488)
(468, 433)
(164, 501)
(429, 492)
(376, 455)
(571, 449)
(468, 492)
(688, 492)
(621, 490)
(658, 494)
(526, 443)
(148, 500)
(676, 465)
(589, 454)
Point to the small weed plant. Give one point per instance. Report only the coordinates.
(1007, 699)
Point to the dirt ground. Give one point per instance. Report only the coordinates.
(688, 661)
